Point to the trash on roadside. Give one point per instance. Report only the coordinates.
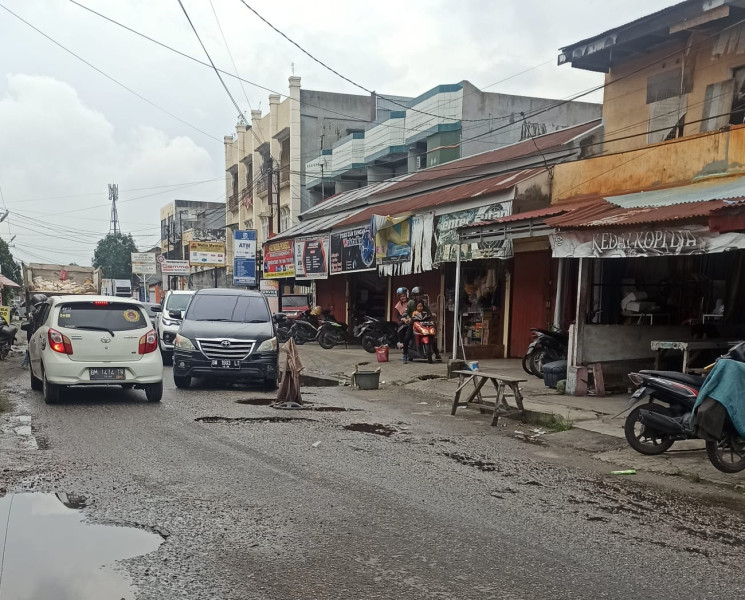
(381, 353)
(316, 444)
(624, 472)
(422, 402)
(532, 436)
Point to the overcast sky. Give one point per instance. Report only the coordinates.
(66, 131)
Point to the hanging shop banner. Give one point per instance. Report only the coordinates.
(447, 234)
(392, 239)
(312, 257)
(673, 241)
(143, 263)
(270, 290)
(244, 257)
(207, 254)
(5, 313)
(174, 267)
(352, 250)
(278, 261)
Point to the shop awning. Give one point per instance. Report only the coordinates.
(317, 225)
(704, 191)
(5, 282)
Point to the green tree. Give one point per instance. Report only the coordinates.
(10, 269)
(114, 255)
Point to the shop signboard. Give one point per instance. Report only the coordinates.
(207, 254)
(5, 313)
(143, 263)
(446, 234)
(648, 242)
(312, 257)
(244, 257)
(352, 250)
(174, 267)
(392, 239)
(270, 289)
(278, 261)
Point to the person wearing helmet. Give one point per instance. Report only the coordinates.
(403, 300)
(32, 310)
(417, 297)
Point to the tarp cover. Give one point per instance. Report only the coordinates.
(725, 384)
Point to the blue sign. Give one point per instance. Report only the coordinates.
(244, 257)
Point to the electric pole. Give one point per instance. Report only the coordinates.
(113, 196)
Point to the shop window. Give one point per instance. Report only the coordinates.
(284, 217)
(724, 102)
(667, 97)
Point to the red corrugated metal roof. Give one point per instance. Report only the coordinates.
(456, 193)
(5, 282)
(600, 213)
(546, 143)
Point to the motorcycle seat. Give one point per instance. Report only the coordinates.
(695, 380)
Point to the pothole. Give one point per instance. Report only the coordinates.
(257, 401)
(49, 547)
(430, 376)
(471, 461)
(250, 419)
(375, 428)
(311, 406)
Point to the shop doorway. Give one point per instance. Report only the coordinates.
(531, 298)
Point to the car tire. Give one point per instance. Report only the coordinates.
(182, 382)
(154, 391)
(36, 383)
(270, 385)
(51, 391)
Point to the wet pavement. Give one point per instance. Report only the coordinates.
(396, 499)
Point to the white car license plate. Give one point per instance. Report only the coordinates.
(108, 373)
(226, 364)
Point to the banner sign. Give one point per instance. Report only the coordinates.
(207, 254)
(278, 262)
(244, 257)
(270, 290)
(677, 241)
(312, 257)
(352, 250)
(144, 263)
(392, 239)
(174, 267)
(5, 313)
(446, 235)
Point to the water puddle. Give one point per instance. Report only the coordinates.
(250, 419)
(51, 553)
(376, 428)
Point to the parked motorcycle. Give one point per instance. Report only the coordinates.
(374, 332)
(547, 346)
(332, 333)
(283, 325)
(422, 344)
(305, 328)
(668, 395)
(7, 337)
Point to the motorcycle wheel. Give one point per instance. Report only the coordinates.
(300, 340)
(728, 454)
(327, 341)
(526, 363)
(368, 344)
(536, 364)
(643, 441)
(283, 336)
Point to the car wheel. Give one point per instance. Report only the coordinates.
(270, 385)
(182, 383)
(36, 384)
(154, 391)
(51, 391)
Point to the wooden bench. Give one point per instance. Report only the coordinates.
(499, 407)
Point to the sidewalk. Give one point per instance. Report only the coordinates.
(590, 416)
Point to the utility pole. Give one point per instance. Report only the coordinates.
(113, 196)
(268, 171)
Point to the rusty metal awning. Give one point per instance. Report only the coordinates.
(5, 282)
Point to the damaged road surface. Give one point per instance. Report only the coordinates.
(385, 501)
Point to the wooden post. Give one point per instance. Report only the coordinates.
(580, 315)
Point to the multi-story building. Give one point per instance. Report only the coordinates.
(180, 219)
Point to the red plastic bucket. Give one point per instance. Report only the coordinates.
(381, 352)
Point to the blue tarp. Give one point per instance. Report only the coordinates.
(726, 384)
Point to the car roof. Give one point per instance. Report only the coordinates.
(180, 291)
(227, 292)
(91, 298)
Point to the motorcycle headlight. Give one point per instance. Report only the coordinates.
(269, 345)
(183, 343)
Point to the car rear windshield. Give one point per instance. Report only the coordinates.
(236, 309)
(290, 301)
(109, 316)
(178, 301)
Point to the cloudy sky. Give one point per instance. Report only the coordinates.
(66, 130)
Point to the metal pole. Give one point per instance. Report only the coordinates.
(559, 294)
(456, 307)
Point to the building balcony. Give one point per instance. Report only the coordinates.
(323, 166)
(386, 138)
(233, 202)
(349, 153)
(262, 185)
(440, 109)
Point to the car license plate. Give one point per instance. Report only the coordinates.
(111, 374)
(226, 364)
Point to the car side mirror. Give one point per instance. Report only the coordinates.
(156, 309)
(176, 314)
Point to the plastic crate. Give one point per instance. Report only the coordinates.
(554, 372)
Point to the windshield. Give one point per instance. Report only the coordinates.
(109, 316)
(178, 301)
(236, 309)
(291, 301)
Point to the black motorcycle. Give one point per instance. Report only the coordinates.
(669, 397)
(547, 346)
(374, 332)
(7, 337)
(332, 332)
(305, 328)
(284, 327)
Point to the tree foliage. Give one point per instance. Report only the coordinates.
(9, 268)
(114, 255)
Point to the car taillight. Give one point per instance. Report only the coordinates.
(148, 343)
(59, 343)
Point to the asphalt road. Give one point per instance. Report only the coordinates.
(442, 508)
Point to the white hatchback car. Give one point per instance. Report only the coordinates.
(94, 340)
